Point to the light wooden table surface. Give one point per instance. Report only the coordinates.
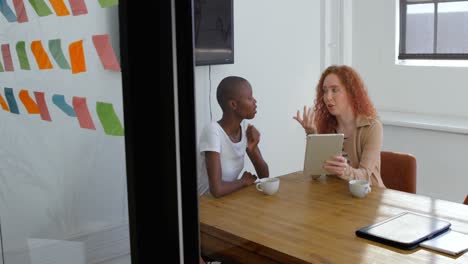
(314, 221)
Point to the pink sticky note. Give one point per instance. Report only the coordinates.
(41, 103)
(7, 57)
(82, 112)
(78, 7)
(20, 11)
(106, 52)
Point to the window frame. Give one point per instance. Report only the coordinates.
(402, 55)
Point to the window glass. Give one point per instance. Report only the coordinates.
(420, 28)
(452, 30)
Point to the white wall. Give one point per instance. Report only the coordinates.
(277, 48)
(426, 90)
(441, 160)
(428, 93)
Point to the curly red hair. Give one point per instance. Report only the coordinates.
(357, 94)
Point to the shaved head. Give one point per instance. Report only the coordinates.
(228, 89)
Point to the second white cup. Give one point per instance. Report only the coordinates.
(359, 188)
(268, 185)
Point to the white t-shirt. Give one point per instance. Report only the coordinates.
(214, 138)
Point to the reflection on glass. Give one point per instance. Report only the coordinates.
(56, 251)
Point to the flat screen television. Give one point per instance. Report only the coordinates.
(214, 32)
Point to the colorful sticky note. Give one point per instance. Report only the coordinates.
(55, 49)
(82, 113)
(22, 56)
(7, 12)
(42, 59)
(20, 11)
(59, 101)
(41, 103)
(59, 7)
(7, 57)
(106, 52)
(109, 119)
(40, 7)
(28, 102)
(4, 104)
(108, 3)
(11, 100)
(78, 7)
(77, 58)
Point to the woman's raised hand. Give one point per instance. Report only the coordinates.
(253, 137)
(307, 121)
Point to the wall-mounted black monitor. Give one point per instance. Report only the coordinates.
(214, 32)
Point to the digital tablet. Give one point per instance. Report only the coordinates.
(319, 148)
(405, 230)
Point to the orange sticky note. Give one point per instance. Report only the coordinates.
(28, 102)
(4, 104)
(42, 59)
(59, 7)
(77, 57)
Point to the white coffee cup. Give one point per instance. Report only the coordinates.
(268, 185)
(359, 188)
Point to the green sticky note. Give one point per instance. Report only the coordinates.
(22, 55)
(57, 53)
(109, 119)
(108, 3)
(40, 7)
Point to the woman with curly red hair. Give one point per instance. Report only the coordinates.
(342, 105)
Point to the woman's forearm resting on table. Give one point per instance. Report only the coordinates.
(260, 165)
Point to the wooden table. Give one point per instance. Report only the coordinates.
(314, 221)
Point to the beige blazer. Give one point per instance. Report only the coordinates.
(363, 151)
